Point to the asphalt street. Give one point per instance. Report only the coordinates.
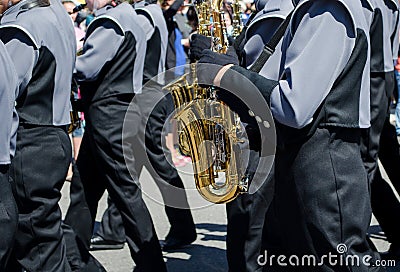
(207, 253)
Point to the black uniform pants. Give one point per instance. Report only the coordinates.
(8, 216)
(38, 170)
(380, 140)
(385, 204)
(389, 153)
(322, 201)
(379, 103)
(246, 215)
(159, 164)
(102, 166)
(75, 225)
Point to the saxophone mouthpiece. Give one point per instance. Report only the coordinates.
(79, 8)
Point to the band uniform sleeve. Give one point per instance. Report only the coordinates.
(23, 53)
(146, 26)
(8, 86)
(259, 34)
(99, 47)
(316, 55)
(244, 85)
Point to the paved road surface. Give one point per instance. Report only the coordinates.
(207, 253)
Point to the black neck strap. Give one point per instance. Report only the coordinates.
(269, 48)
(30, 4)
(239, 39)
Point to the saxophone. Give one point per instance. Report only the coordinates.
(207, 129)
(236, 18)
(74, 114)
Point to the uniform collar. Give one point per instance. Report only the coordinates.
(11, 14)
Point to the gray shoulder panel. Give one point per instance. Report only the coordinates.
(98, 21)
(128, 20)
(324, 20)
(390, 14)
(260, 32)
(28, 34)
(161, 24)
(50, 27)
(301, 9)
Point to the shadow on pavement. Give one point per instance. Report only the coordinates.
(211, 227)
(205, 229)
(201, 258)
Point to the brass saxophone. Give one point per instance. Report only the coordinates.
(236, 18)
(208, 130)
(74, 114)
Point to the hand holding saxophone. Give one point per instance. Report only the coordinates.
(197, 44)
(207, 73)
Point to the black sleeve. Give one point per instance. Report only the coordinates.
(249, 96)
(247, 93)
(248, 83)
(173, 9)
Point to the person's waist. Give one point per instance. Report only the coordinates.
(26, 125)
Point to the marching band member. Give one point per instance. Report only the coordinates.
(9, 214)
(110, 72)
(39, 37)
(111, 233)
(321, 105)
(246, 214)
(380, 139)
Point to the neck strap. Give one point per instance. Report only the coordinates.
(30, 4)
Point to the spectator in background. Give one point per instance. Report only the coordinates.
(79, 33)
(397, 74)
(175, 57)
(89, 19)
(248, 9)
(192, 18)
(175, 52)
(227, 8)
(183, 26)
